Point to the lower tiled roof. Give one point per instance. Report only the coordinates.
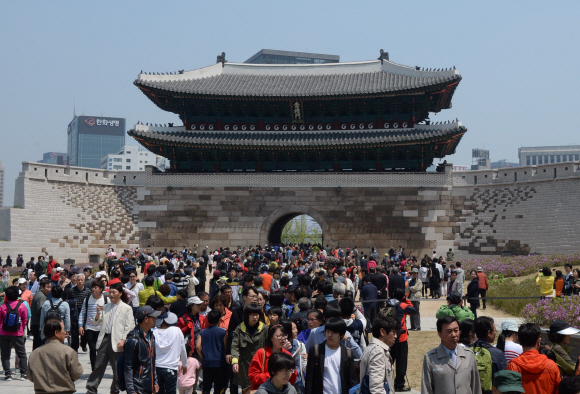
(302, 138)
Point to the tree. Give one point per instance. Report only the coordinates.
(298, 231)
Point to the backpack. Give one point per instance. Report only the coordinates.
(484, 366)
(11, 320)
(53, 312)
(24, 273)
(121, 365)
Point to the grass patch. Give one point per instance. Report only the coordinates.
(508, 288)
(420, 342)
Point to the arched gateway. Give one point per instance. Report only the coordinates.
(271, 230)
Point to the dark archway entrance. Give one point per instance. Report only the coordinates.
(271, 231)
(295, 228)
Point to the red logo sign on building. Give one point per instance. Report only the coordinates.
(90, 121)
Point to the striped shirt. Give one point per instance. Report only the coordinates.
(512, 350)
(91, 312)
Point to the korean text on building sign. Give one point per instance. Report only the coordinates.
(105, 122)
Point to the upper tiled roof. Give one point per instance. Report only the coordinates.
(303, 138)
(312, 80)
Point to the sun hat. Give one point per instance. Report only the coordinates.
(21, 281)
(508, 381)
(562, 328)
(194, 300)
(509, 325)
(168, 317)
(479, 269)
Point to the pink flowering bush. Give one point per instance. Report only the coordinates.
(546, 311)
(518, 265)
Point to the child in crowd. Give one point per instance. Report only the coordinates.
(186, 381)
(274, 315)
(559, 283)
(210, 346)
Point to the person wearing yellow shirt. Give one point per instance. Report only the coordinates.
(149, 290)
(546, 282)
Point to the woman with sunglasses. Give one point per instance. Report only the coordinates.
(277, 341)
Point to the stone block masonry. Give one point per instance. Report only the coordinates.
(369, 216)
(70, 213)
(74, 212)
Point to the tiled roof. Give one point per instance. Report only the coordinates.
(245, 80)
(303, 138)
(298, 86)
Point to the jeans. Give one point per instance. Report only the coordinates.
(483, 293)
(105, 355)
(215, 377)
(400, 353)
(6, 342)
(91, 337)
(416, 318)
(37, 341)
(167, 379)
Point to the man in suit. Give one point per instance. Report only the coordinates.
(116, 319)
(450, 368)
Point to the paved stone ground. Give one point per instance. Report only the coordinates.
(26, 387)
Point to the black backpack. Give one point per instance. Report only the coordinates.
(53, 312)
(11, 320)
(24, 273)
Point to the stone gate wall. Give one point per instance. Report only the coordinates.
(74, 212)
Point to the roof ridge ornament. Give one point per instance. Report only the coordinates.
(222, 59)
(384, 56)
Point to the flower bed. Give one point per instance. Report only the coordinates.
(16, 271)
(518, 265)
(546, 311)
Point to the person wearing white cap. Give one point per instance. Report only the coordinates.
(559, 336)
(169, 349)
(507, 340)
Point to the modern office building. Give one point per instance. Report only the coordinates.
(54, 158)
(272, 56)
(2, 173)
(132, 158)
(503, 164)
(535, 155)
(90, 138)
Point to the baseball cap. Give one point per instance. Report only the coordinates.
(41, 277)
(145, 311)
(562, 328)
(415, 270)
(168, 317)
(21, 281)
(508, 381)
(59, 269)
(194, 300)
(341, 279)
(509, 325)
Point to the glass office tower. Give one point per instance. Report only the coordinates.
(90, 138)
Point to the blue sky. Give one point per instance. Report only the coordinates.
(518, 59)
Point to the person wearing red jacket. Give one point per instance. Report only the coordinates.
(483, 285)
(276, 342)
(540, 375)
(190, 324)
(50, 265)
(400, 351)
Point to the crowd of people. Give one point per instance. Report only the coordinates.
(277, 319)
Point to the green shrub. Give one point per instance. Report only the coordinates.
(507, 288)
